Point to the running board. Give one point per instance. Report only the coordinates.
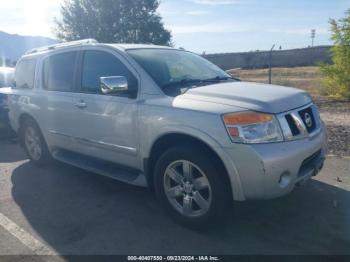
(101, 167)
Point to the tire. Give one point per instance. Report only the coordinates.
(197, 200)
(34, 143)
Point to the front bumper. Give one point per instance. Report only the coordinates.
(271, 170)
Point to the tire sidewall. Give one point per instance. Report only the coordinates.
(219, 190)
(45, 154)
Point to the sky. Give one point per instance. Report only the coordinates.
(211, 26)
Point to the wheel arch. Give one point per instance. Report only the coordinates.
(169, 140)
(21, 120)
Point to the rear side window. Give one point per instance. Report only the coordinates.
(58, 72)
(98, 64)
(25, 73)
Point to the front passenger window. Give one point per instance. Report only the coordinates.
(98, 64)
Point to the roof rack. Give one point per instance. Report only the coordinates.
(61, 45)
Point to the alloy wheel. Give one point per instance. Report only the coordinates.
(187, 188)
(33, 143)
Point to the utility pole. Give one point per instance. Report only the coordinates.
(313, 35)
(270, 64)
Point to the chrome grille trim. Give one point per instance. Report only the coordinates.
(286, 129)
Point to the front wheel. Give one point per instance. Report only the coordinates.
(191, 187)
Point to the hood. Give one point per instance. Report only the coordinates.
(252, 96)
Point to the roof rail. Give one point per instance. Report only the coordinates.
(61, 45)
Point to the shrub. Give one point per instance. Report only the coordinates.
(336, 77)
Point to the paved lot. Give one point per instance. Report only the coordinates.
(70, 211)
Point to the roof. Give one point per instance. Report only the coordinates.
(89, 42)
(139, 46)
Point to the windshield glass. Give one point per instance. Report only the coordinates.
(172, 69)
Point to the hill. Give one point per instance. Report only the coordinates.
(13, 46)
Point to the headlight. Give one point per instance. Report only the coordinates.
(252, 127)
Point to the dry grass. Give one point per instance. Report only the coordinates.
(306, 78)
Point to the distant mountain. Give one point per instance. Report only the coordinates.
(14, 46)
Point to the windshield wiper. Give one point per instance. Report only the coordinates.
(219, 78)
(182, 82)
(187, 81)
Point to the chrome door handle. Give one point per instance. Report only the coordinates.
(81, 104)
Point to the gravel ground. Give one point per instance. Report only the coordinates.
(337, 118)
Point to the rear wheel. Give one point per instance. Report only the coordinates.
(191, 187)
(34, 143)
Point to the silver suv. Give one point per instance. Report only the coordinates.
(166, 119)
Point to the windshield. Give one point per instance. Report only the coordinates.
(172, 69)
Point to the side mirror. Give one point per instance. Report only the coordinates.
(114, 84)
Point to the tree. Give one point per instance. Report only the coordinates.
(112, 21)
(337, 76)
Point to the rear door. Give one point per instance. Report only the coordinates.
(59, 85)
(106, 125)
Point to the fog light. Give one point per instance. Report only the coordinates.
(285, 179)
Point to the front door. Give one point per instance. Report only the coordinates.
(105, 125)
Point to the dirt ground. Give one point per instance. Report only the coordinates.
(336, 114)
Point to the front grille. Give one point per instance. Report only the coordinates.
(308, 119)
(292, 125)
(299, 123)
